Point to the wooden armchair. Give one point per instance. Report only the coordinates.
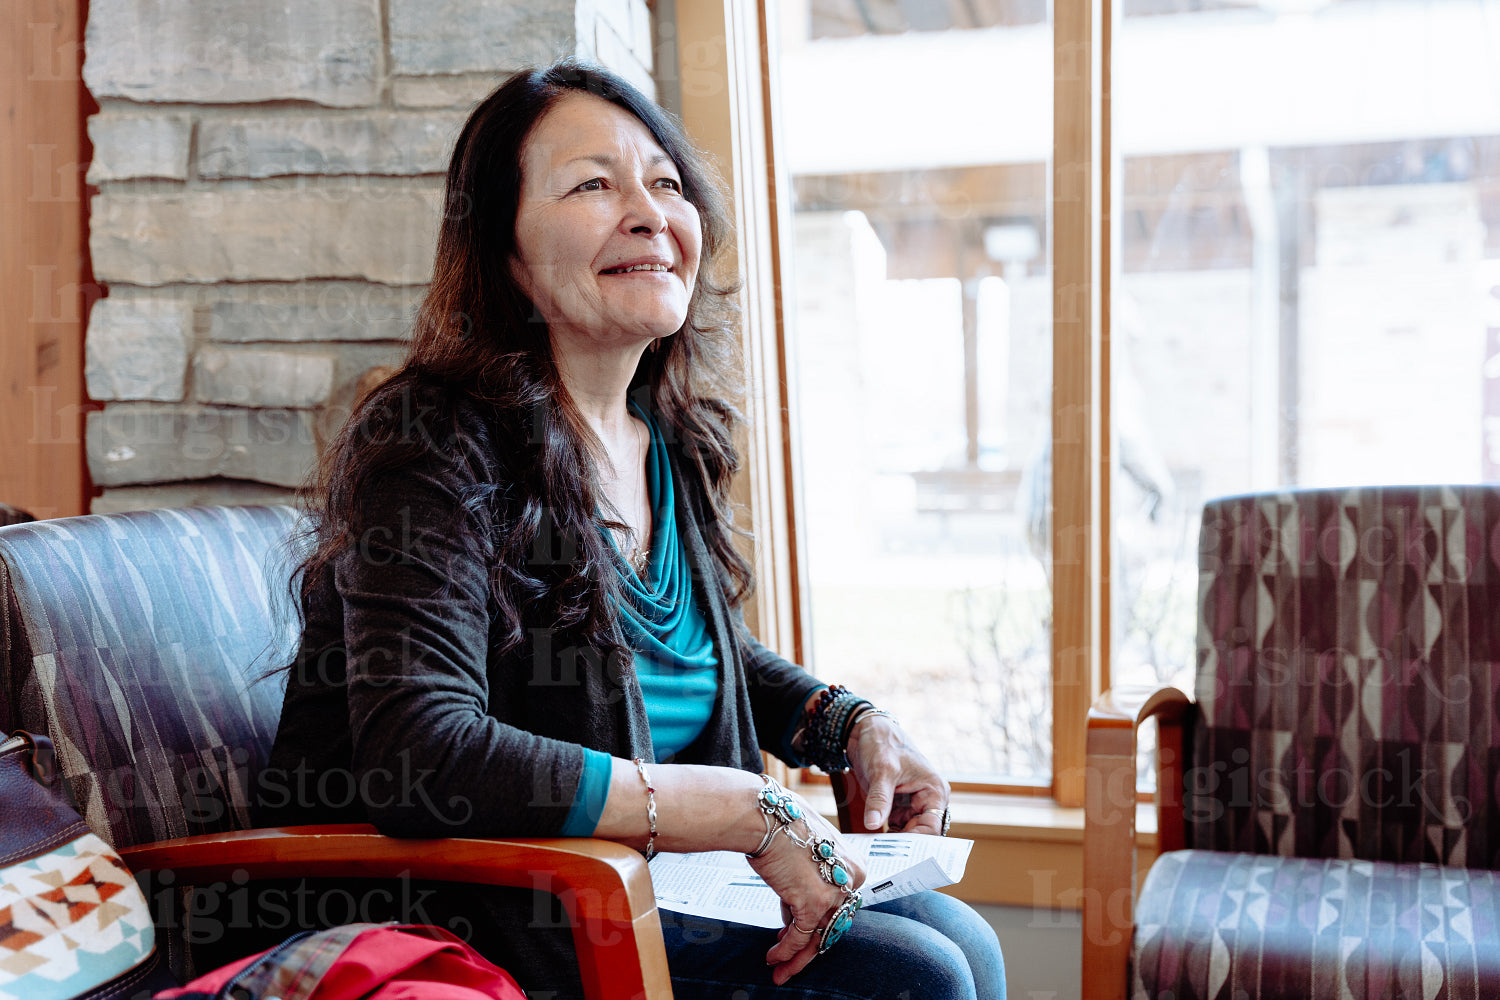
(1327, 806)
(140, 643)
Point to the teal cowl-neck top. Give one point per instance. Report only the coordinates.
(674, 655)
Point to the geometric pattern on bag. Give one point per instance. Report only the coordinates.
(69, 920)
(294, 970)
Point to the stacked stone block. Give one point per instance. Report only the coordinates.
(269, 178)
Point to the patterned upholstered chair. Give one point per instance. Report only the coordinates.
(141, 643)
(1328, 814)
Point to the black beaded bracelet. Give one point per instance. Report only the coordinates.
(828, 731)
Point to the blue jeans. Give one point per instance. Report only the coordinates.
(922, 947)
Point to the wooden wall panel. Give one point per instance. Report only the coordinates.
(44, 276)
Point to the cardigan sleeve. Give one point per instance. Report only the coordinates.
(428, 757)
(778, 691)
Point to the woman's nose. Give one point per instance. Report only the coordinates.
(643, 216)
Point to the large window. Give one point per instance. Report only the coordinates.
(918, 149)
(1304, 286)
(1309, 269)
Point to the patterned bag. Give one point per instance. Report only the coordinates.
(358, 962)
(73, 923)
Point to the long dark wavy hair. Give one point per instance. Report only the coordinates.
(479, 339)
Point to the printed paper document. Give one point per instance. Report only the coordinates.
(721, 884)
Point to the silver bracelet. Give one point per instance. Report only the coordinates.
(782, 812)
(640, 767)
(865, 713)
(765, 844)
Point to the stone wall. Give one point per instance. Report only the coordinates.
(268, 178)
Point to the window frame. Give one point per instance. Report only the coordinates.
(728, 84)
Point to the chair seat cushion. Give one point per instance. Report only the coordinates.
(1221, 926)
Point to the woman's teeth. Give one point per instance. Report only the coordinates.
(637, 267)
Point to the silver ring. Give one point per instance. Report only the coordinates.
(945, 822)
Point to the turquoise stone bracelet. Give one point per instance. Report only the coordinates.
(781, 809)
(830, 866)
(840, 922)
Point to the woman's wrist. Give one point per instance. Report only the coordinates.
(750, 830)
(699, 807)
(862, 718)
(828, 724)
(737, 807)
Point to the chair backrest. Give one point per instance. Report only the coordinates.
(1348, 669)
(145, 644)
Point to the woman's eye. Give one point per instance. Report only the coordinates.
(670, 183)
(593, 184)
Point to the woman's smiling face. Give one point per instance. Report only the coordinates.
(607, 246)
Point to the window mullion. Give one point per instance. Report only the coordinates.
(1080, 318)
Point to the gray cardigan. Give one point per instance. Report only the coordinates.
(399, 712)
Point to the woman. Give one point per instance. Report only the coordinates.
(521, 616)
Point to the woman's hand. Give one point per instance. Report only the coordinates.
(807, 902)
(900, 784)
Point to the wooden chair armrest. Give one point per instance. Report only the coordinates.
(1109, 823)
(605, 887)
(1116, 716)
(1133, 704)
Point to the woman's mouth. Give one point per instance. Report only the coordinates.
(627, 268)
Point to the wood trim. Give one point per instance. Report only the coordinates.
(45, 281)
(1109, 239)
(604, 887)
(807, 776)
(1109, 834)
(1045, 876)
(725, 95)
(1080, 172)
(780, 201)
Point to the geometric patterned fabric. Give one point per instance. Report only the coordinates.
(144, 645)
(1215, 925)
(1341, 784)
(70, 919)
(1348, 670)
